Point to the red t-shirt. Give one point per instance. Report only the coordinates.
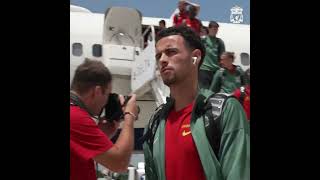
(194, 24)
(246, 100)
(182, 161)
(178, 18)
(86, 141)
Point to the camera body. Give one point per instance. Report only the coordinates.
(113, 108)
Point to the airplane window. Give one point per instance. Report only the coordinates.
(245, 59)
(77, 49)
(97, 50)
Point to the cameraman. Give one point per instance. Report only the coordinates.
(90, 91)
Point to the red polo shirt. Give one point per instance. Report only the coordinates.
(86, 142)
(182, 161)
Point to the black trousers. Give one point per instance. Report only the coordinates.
(205, 78)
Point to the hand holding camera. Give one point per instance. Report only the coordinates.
(131, 106)
(118, 106)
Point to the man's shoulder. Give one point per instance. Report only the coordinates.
(232, 104)
(237, 93)
(156, 115)
(234, 116)
(175, 17)
(194, 20)
(223, 109)
(162, 110)
(77, 111)
(232, 100)
(219, 41)
(79, 116)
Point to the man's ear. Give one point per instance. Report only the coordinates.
(95, 90)
(197, 54)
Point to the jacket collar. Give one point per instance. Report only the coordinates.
(201, 100)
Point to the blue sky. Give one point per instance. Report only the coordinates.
(218, 10)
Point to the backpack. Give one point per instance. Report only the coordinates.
(211, 113)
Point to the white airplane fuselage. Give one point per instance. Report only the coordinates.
(86, 35)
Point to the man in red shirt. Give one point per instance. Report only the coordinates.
(176, 146)
(177, 60)
(89, 93)
(180, 17)
(193, 22)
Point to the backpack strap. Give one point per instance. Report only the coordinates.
(152, 127)
(241, 74)
(211, 113)
(242, 95)
(212, 119)
(76, 101)
(223, 75)
(154, 122)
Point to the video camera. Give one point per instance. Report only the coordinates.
(113, 108)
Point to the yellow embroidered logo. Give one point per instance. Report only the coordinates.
(185, 126)
(184, 133)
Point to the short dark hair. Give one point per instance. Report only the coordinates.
(191, 39)
(191, 8)
(89, 74)
(228, 54)
(213, 24)
(162, 21)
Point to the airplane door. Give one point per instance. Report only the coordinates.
(144, 67)
(121, 39)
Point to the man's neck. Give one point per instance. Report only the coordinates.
(85, 100)
(182, 12)
(78, 95)
(231, 68)
(183, 94)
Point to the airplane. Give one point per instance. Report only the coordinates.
(117, 39)
(124, 41)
